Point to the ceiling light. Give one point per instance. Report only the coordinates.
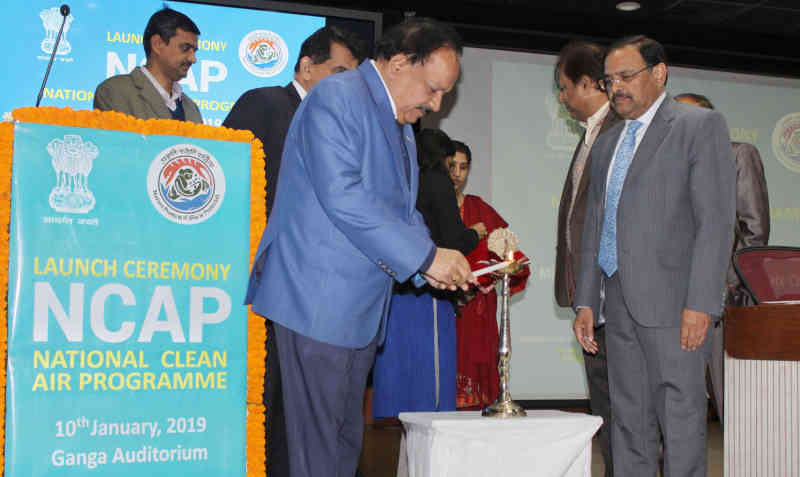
(628, 6)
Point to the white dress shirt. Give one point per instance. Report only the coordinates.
(169, 99)
(300, 90)
(592, 125)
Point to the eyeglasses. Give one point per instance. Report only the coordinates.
(607, 81)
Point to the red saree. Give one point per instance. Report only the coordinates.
(476, 328)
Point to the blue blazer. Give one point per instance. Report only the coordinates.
(344, 225)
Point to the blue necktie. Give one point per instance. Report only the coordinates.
(607, 256)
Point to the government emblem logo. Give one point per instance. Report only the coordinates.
(786, 141)
(51, 20)
(72, 160)
(263, 53)
(186, 184)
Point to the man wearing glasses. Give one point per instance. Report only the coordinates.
(657, 241)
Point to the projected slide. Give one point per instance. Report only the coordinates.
(103, 38)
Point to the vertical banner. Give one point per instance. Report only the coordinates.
(127, 346)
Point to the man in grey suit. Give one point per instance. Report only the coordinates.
(752, 230)
(152, 91)
(656, 245)
(578, 70)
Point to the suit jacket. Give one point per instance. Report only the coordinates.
(134, 94)
(344, 225)
(267, 112)
(674, 218)
(567, 255)
(752, 213)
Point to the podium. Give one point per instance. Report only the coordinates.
(762, 391)
(125, 340)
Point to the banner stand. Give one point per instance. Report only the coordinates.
(59, 317)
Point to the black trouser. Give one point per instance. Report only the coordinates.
(277, 449)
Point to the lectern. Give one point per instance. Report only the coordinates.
(762, 391)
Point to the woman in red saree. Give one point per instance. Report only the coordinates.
(476, 328)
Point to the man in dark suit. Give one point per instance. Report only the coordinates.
(578, 70)
(656, 245)
(267, 112)
(344, 227)
(152, 91)
(752, 230)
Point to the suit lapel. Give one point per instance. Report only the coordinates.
(294, 96)
(389, 125)
(149, 94)
(610, 120)
(653, 137)
(571, 170)
(606, 152)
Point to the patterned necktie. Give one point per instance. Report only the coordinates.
(607, 256)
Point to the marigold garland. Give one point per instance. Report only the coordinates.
(256, 330)
(6, 157)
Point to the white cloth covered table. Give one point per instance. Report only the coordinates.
(461, 444)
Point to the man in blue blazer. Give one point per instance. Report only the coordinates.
(343, 228)
(267, 112)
